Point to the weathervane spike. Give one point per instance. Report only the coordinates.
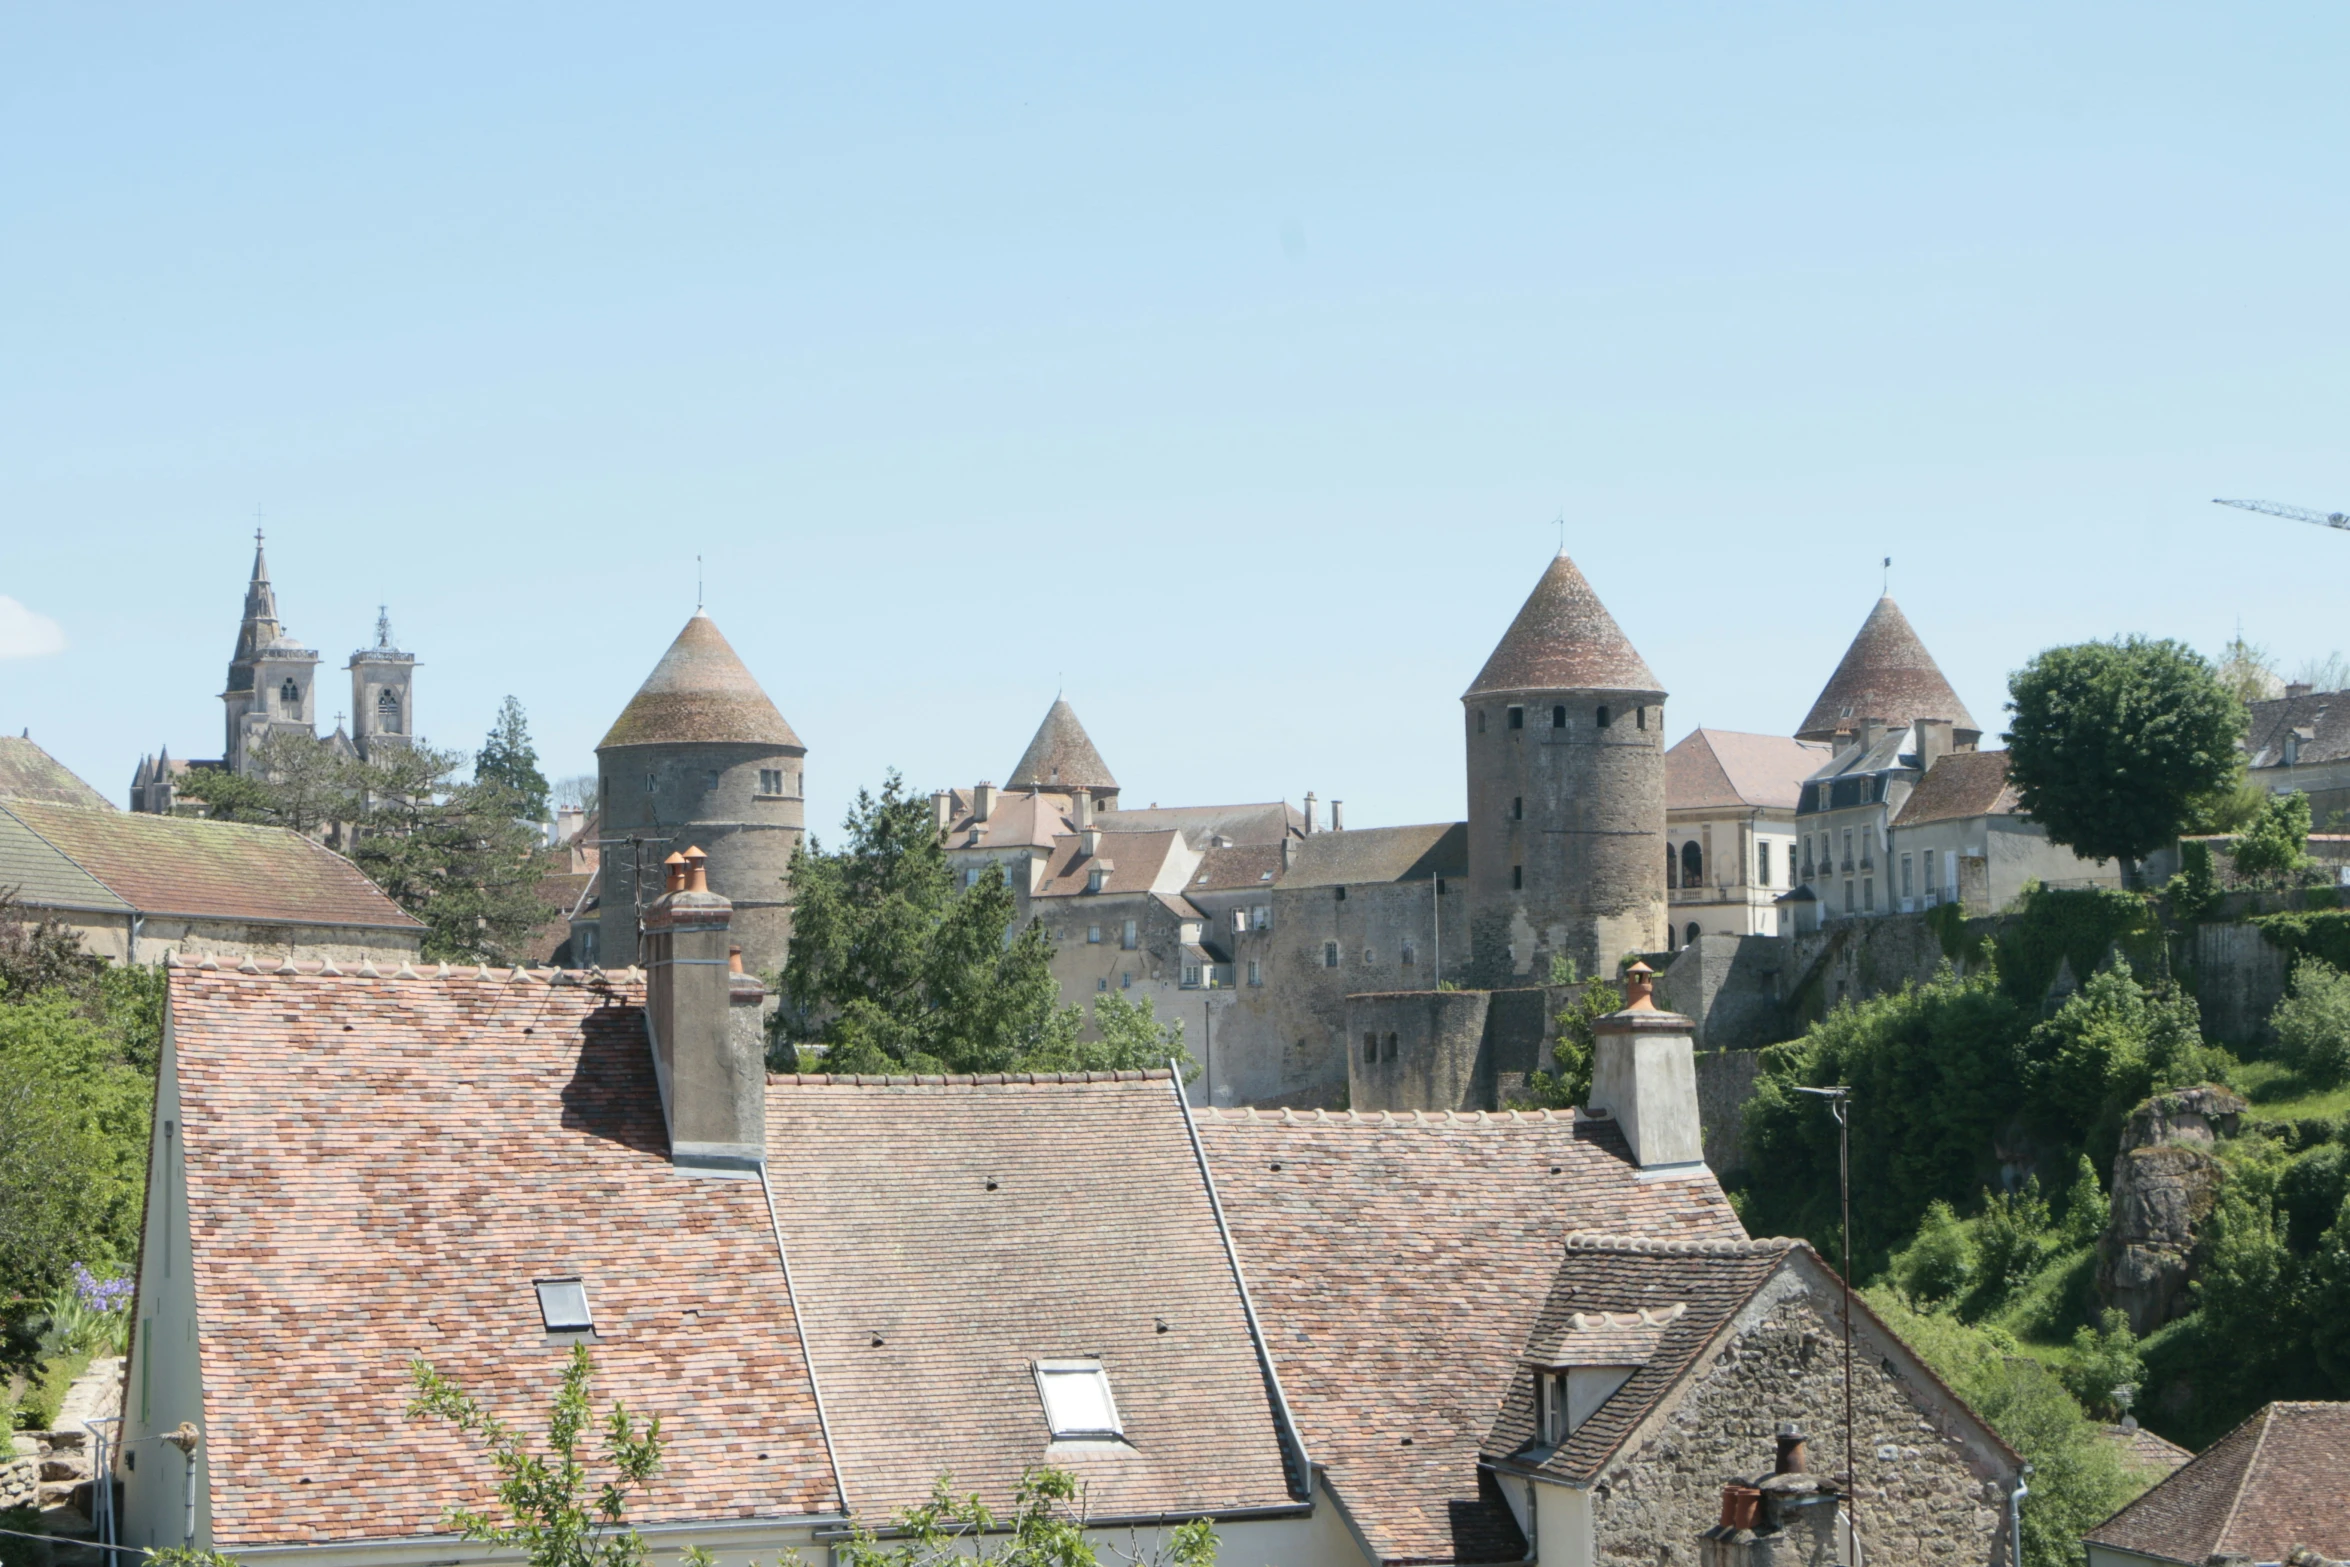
(697, 584)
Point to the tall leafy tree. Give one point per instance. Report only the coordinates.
(455, 855)
(893, 968)
(2115, 745)
(507, 760)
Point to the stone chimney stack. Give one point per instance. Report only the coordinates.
(1083, 800)
(1935, 742)
(1311, 804)
(942, 809)
(2294, 688)
(703, 1014)
(1338, 816)
(1871, 731)
(983, 802)
(1089, 841)
(1288, 850)
(1786, 1518)
(1645, 1075)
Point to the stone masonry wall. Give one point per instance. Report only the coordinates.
(1725, 1081)
(1923, 1497)
(2239, 979)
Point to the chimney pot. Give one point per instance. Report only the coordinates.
(1793, 1455)
(1639, 988)
(696, 870)
(734, 959)
(673, 878)
(1741, 1507)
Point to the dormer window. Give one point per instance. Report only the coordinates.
(1550, 1391)
(1566, 1396)
(1077, 1402)
(1093, 880)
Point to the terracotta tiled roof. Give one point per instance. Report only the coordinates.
(700, 691)
(212, 870)
(379, 1168)
(946, 1234)
(1400, 1264)
(2280, 1479)
(1960, 785)
(1722, 768)
(1375, 854)
(1137, 862)
(1257, 822)
(1244, 865)
(2145, 1450)
(29, 773)
(1564, 640)
(1886, 673)
(1014, 818)
(1061, 756)
(40, 876)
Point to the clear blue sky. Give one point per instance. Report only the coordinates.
(1227, 369)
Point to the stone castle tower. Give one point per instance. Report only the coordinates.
(700, 757)
(1565, 736)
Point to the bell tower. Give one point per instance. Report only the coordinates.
(382, 691)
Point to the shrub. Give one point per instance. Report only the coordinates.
(2105, 1358)
(2087, 1210)
(2194, 891)
(2012, 1239)
(2275, 847)
(2313, 1023)
(1939, 1264)
(2111, 1045)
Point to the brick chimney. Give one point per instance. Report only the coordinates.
(703, 1014)
(1644, 1074)
(1935, 741)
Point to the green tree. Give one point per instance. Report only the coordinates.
(1046, 1528)
(551, 1514)
(455, 855)
(2111, 1044)
(1938, 1264)
(1129, 1038)
(1574, 1038)
(2328, 1290)
(2087, 1210)
(2012, 1239)
(73, 1143)
(508, 761)
(300, 782)
(2113, 744)
(2249, 670)
(40, 953)
(2194, 891)
(2105, 1358)
(2246, 1284)
(2275, 847)
(2313, 1023)
(893, 968)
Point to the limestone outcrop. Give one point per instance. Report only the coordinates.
(2165, 1181)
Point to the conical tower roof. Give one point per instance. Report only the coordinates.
(1061, 756)
(1886, 673)
(699, 692)
(260, 628)
(1564, 640)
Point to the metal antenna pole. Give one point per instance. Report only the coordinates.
(1839, 1105)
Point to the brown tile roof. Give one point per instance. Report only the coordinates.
(1376, 854)
(1723, 768)
(1399, 1264)
(1022, 818)
(1241, 866)
(1961, 785)
(700, 691)
(29, 773)
(1564, 640)
(2144, 1450)
(2323, 717)
(38, 875)
(1886, 673)
(182, 865)
(1136, 861)
(379, 1168)
(2280, 1479)
(1255, 822)
(1061, 756)
(946, 1234)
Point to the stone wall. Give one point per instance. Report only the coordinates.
(2239, 978)
(1446, 1050)
(1725, 1081)
(1930, 1489)
(1733, 988)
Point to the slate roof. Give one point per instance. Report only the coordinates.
(1961, 785)
(1061, 756)
(2280, 1479)
(29, 773)
(2322, 716)
(1886, 673)
(1376, 854)
(380, 1167)
(1721, 768)
(945, 1234)
(700, 691)
(1260, 822)
(1400, 1264)
(1137, 863)
(180, 865)
(1563, 639)
(1241, 866)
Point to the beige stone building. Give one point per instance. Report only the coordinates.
(2301, 741)
(1730, 855)
(1961, 837)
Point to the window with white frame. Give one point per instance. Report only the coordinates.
(1261, 917)
(563, 1305)
(1550, 1389)
(1093, 935)
(1330, 954)
(1128, 936)
(1077, 1402)
(771, 781)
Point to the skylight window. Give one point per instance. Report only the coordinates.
(563, 1306)
(1077, 1401)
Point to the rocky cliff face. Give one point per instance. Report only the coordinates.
(2165, 1181)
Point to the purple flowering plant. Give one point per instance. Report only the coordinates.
(101, 1295)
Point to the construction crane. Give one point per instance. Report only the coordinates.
(2324, 519)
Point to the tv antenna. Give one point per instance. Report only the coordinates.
(1840, 1106)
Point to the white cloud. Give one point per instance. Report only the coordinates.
(24, 634)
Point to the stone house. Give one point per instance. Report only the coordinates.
(1730, 831)
(1961, 836)
(1344, 1340)
(135, 888)
(2301, 741)
(2274, 1490)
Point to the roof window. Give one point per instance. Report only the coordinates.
(563, 1306)
(1077, 1403)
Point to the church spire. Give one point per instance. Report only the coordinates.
(260, 627)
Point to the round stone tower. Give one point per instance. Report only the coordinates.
(700, 757)
(1565, 734)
